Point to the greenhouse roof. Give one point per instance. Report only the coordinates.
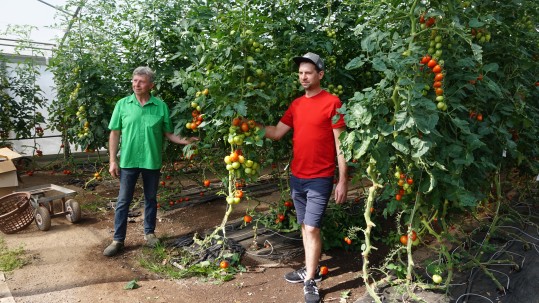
(38, 14)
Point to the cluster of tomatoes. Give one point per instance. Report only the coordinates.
(404, 184)
(336, 89)
(197, 116)
(481, 35)
(426, 22)
(476, 116)
(236, 161)
(240, 132)
(39, 131)
(413, 236)
(437, 69)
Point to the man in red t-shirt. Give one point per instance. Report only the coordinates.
(317, 127)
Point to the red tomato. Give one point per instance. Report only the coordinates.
(207, 183)
(432, 63)
(439, 77)
(404, 239)
(347, 240)
(437, 84)
(245, 127)
(439, 91)
(224, 264)
(479, 117)
(401, 192)
(413, 236)
(234, 156)
(239, 193)
(410, 181)
(425, 59)
(247, 219)
(437, 69)
(280, 217)
(287, 204)
(324, 270)
(236, 121)
(398, 197)
(430, 22)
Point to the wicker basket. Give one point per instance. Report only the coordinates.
(15, 212)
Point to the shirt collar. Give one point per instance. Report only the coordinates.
(133, 99)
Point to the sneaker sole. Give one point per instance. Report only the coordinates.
(301, 281)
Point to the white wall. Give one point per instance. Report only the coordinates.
(51, 141)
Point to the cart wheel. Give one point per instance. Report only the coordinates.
(73, 209)
(43, 218)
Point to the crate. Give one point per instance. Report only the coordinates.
(15, 212)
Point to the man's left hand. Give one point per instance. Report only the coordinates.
(341, 191)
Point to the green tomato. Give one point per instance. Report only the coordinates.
(436, 279)
(440, 105)
(238, 140)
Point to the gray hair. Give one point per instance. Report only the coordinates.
(145, 71)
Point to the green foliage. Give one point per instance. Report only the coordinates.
(449, 155)
(131, 285)
(10, 259)
(21, 98)
(338, 220)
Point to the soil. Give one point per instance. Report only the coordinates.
(66, 263)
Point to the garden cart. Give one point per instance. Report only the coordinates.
(50, 201)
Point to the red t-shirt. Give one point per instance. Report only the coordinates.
(313, 140)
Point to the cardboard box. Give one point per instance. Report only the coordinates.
(8, 171)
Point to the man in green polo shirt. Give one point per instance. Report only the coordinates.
(138, 124)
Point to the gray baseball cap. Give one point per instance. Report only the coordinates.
(312, 58)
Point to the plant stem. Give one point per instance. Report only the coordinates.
(443, 251)
(367, 231)
(409, 246)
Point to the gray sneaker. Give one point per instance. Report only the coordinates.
(151, 240)
(298, 276)
(114, 248)
(310, 291)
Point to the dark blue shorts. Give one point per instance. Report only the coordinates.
(311, 197)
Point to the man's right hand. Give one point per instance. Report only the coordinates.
(114, 170)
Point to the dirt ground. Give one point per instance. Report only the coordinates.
(66, 262)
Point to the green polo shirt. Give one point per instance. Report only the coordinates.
(142, 131)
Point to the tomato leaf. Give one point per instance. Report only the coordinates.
(421, 147)
(476, 23)
(491, 67)
(379, 65)
(401, 145)
(131, 285)
(357, 62)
